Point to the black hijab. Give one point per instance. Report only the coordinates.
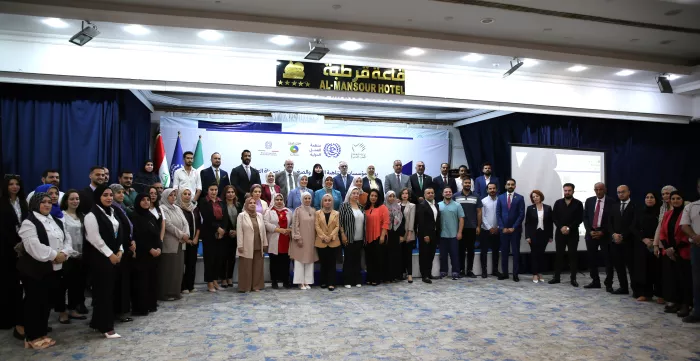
(97, 195)
(137, 205)
(653, 210)
(35, 202)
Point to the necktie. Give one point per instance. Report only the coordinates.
(217, 176)
(290, 183)
(622, 208)
(596, 214)
(398, 180)
(420, 181)
(508, 200)
(247, 171)
(444, 179)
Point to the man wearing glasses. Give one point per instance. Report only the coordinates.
(342, 181)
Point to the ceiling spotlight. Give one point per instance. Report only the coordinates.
(577, 68)
(529, 62)
(136, 29)
(414, 52)
(317, 50)
(664, 83)
(350, 46)
(472, 57)
(210, 35)
(87, 32)
(55, 23)
(673, 77)
(487, 20)
(513, 67)
(624, 72)
(282, 40)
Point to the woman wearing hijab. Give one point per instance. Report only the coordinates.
(256, 194)
(665, 207)
(352, 234)
(149, 245)
(302, 249)
(13, 210)
(678, 283)
(408, 240)
(278, 224)
(53, 192)
(172, 261)
(371, 181)
(252, 244)
(645, 263)
(327, 226)
(146, 177)
(73, 268)
(357, 184)
(184, 201)
(230, 245)
(269, 189)
(122, 288)
(214, 225)
(103, 251)
(327, 189)
(316, 179)
(294, 198)
(376, 229)
(397, 230)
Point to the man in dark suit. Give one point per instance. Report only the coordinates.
(443, 181)
(418, 182)
(97, 177)
(481, 183)
(287, 179)
(567, 214)
(244, 176)
(343, 181)
(510, 212)
(622, 228)
(213, 175)
(595, 218)
(428, 232)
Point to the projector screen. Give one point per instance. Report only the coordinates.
(548, 168)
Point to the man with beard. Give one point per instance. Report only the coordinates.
(489, 232)
(464, 174)
(418, 182)
(510, 212)
(567, 215)
(50, 176)
(471, 205)
(188, 177)
(428, 231)
(126, 179)
(97, 177)
(214, 174)
(481, 183)
(451, 225)
(243, 176)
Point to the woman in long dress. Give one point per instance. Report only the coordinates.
(172, 261)
(327, 241)
(230, 243)
(302, 248)
(252, 244)
(278, 223)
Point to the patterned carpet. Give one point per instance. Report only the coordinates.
(448, 320)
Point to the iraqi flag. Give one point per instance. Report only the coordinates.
(161, 164)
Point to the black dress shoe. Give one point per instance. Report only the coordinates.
(592, 285)
(691, 319)
(609, 289)
(434, 278)
(64, 322)
(81, 309)
(671, 309)
(427, 280)
(503, 277)
(621, 291)
(496, 274)
(684, 311)
(574, 283)
(275, 285)
(461, 274)
(484, 275)
(155, 309)
(139, 314)
(554, 281)
(516, 279)
(471, 274)
(126, 319)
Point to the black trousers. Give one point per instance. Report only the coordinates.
(123, 275)
(228, 257)
(279, 267)
(592, 252)
(103, 275)
(328, 271)
(646, 270)
(392, 257)
(678, 281)
(407, 257)
(57, 293)
(213, 258)
(37, 305)
(74, 272)
(566, 245)
(373, 258)
(11, 299)
(426, 255)
(538, 246)
(190, 268)
(466, 249)
(486, 242)
(352, 263)
(621, 256)
(145, 290)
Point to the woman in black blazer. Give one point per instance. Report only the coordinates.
(539, 229)
(215, 225)
(371, 181)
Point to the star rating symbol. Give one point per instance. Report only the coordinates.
(308, 84)
(286, 82)
(294, 83)
(301, 84)
(279, 82)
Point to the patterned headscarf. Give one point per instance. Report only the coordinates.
(35, 201)
(395, 214)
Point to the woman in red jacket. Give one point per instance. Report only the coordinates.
(270, 189)
(678, 283)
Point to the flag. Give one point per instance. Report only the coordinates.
(198, 155)
(161, 164)
(176, 160)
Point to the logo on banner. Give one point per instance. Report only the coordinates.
(331, 150)
(358, 151)
(294, 148)
(268, 151)
(268, 145)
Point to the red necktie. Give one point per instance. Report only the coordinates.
(508, 200)
(596, 214)
(444, 179)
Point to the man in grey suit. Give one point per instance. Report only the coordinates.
(287, 179)
(397, 180)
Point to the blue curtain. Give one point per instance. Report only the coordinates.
(644, 155)
(71, 129)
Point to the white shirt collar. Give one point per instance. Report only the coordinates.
(92, 187)
(214, 168)
(510, 194)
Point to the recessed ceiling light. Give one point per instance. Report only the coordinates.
(210, 35)
(577, 68)
(624, 72)
(487, 20)
(673, 12)
(673, 76)
(547, 29)
(337, 6)
(634, 40)
(529, 62)
(136, 29)
(282, 40)
(55, 23)
(472, 57)
(350, 46)
(414, 52)
(449, 18)
(665, 42)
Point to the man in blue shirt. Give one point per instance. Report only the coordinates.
(452, 223)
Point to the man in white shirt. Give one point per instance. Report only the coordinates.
(428, 233)
(343, 181)
(690, 224)
(50, 176)
(188, 177)
(464, 174)
(489, 237)
(287, 179)
(397, 180)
